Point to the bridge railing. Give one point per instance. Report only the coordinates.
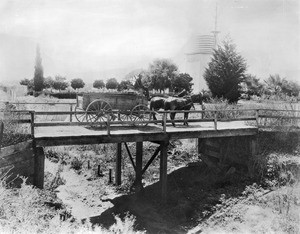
(263, 118)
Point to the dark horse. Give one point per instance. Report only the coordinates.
(157, 103)
(176, 103)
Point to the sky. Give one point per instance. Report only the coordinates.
(101, 39)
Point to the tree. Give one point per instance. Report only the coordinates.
(182, 82)
(77, 83)
(225, 72)
(143, 82)
(38, 78)
(277, 85)
(28, 83)
(112, 83)
(98, 84)
(60, 83)
(125, 84)
(25, 82)
(293, 89)
(274, 84)
(162, 71)
(252, 86)
(48, 82)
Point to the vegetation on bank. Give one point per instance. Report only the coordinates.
(30, 210)
(187, 206)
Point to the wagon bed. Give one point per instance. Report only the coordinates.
(118, 101)
(98, 107)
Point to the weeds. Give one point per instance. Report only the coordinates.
(52, 182)
(76, 164)
(14, 132)
(23, 211)
(225, 110)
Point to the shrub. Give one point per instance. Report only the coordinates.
(76, 164)
(62, 95)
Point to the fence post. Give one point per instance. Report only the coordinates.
(257, 116)
(202, 111)
(215, 119)
(108, 124)
(165, 122)
(71, 109)
(1, 133)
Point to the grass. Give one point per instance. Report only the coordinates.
(14, 132)
(24, 210)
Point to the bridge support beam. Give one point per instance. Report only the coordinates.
(163, 169)
(118, 172)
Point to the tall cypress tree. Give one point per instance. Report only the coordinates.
(225, 72)
(38, 78)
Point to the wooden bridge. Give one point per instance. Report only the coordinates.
(159, 131)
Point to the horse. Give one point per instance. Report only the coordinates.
(176, 103)
(156, 103)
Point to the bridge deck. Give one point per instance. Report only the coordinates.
(73, 135)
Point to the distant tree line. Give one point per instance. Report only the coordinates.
(58, 83)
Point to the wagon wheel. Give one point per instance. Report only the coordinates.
(140, 113)
(125, 116)
(100, 109)
(80, 114)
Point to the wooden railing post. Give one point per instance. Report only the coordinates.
(71, 109)
(257, 116)
(1, 133)
(108, 124)
(215, 119)
(165, 122)
(203, 111)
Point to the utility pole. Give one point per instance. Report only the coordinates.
(215, 32)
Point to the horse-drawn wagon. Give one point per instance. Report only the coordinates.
(101, 107)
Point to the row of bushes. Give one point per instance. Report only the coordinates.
(61, 95)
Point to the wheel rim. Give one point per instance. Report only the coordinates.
(100, 109)
(80, 114)
(140, 113)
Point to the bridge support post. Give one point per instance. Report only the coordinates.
(163, 169)
(200, 145)
(253, 152)
(138, 166)
(118, 171)
(39, 166)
